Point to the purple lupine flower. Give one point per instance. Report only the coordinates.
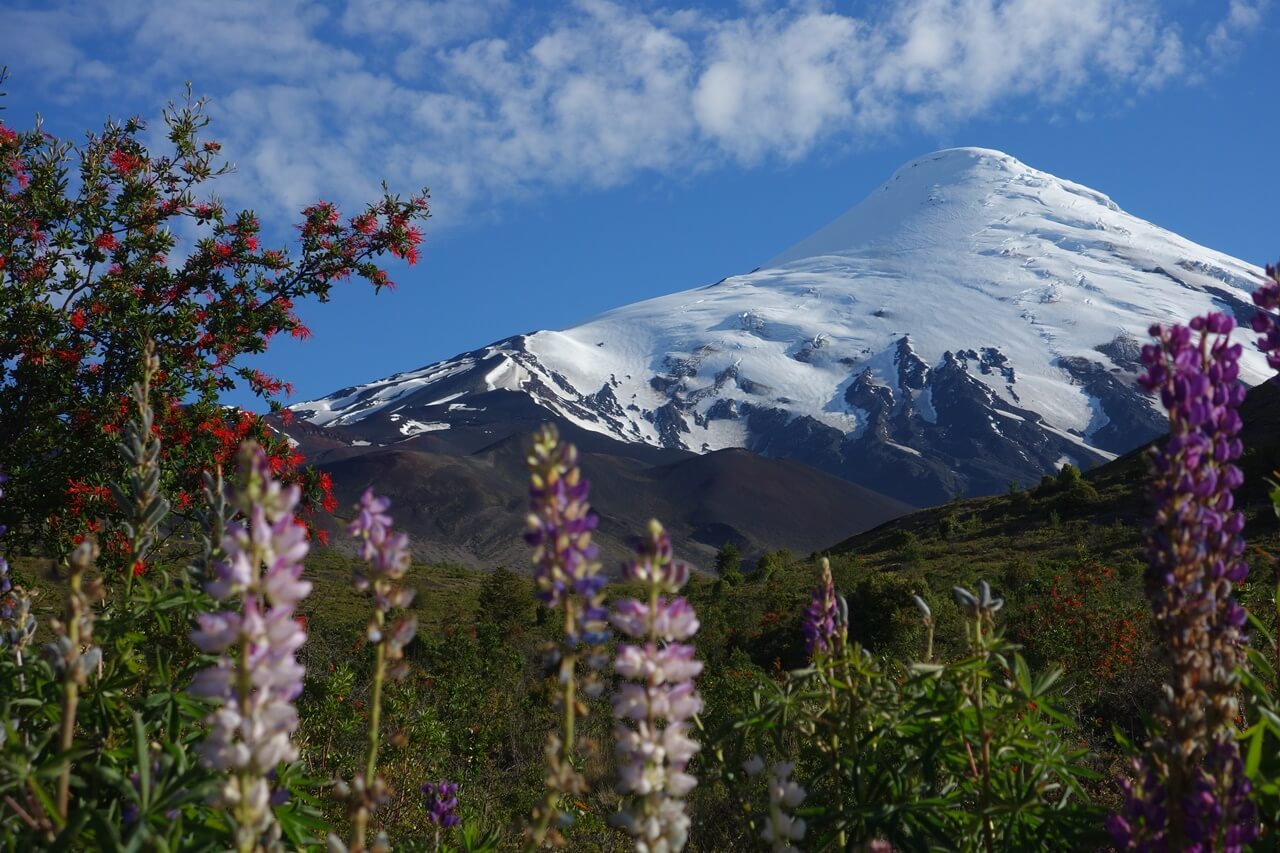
(566, 577)
(257, 644)
(824, 629)
(1190, 792)
(1267, 322)
(442, 803)
(657, 699)
(388, 557)
(560, 524)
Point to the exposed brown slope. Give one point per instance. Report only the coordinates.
(468, 506)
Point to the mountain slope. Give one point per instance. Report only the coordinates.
(997, 536)
(973, 321)
(468, 506)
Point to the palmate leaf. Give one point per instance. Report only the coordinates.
(301, 819)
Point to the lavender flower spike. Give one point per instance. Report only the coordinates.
(560, 522)
(657, 699)
(1190, 792)
(388, 556)
(567, 578)
(257, 676)
(824, 629)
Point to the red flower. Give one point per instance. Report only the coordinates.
(77, 319)
(106, 241)
(124, 162)
(139, 568)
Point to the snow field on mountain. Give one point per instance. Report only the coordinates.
(965, 251)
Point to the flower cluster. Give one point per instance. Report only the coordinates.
(1267, 322)
(785, 794)
(257, 676)
(72, 653)
(566, 577)
(1190, 792)
(387, 554)
(442, 803)
(657, 699)
(142, 501)
(560, 524)
(17, 625)
(826, 619)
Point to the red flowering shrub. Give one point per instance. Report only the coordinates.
(91, 265)
(1087, 620)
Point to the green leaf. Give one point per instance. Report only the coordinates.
(142, 757)
(1254, 757)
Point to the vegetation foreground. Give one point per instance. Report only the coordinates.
(181, 669)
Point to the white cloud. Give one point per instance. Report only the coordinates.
(488, 99)
(1243, 17)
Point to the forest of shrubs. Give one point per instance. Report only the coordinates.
(185, 664)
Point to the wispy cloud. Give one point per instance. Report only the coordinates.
(488, 99)
(1243, 17)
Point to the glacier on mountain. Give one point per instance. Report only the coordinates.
(972, 321)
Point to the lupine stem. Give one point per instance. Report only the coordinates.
(75, 662)
(387, 554)
(144, 454)
(980, 608)
(71, 692)
(375, 705)
(564, 748)
(360, 821)
(245, 841)
(985, 805)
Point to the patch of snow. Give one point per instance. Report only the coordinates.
(410, 428)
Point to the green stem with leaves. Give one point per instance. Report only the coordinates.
(562, 760)
(70, 688)
(828, 669)
(984, 805)
(360, 821)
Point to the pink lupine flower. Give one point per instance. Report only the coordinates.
(257, 676)
(656, 701)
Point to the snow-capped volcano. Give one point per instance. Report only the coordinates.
(972, 321)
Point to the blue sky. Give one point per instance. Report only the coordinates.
(587, 154)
